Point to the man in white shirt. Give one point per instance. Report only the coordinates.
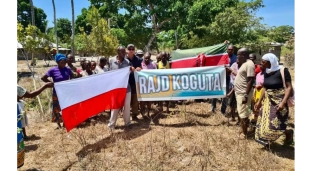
(102, 66)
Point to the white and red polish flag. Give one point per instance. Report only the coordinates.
(85, 97)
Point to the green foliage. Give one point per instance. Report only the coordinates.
(282, 33)
(30, 44)
(101, 40)
(64, 31)
(236, 23)
(121, 36)
(81, 22)
(24, 15)
(82, 42)
(289, 48)
(166, 40)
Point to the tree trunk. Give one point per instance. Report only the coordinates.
(32, 54)
(149, 44)
(55, 29)
(32, 12)
(73, 29)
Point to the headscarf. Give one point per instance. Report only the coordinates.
(59, 57)
(274, 62)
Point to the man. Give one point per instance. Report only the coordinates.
(76, 71)
(88, 70)
(243, 88)
(82, 65)
(118, 62)
(227, 59)
(136, 63)
(101, 67)
(93, 65)
(253, 58)
(140, 53)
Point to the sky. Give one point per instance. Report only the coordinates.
(275, 12)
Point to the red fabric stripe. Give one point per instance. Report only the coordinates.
(190, 63)
(78, 113)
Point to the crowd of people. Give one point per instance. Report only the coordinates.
(258, 93)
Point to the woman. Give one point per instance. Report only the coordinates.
(147, 64)
(76, 71)
(58, 74)
(257, 93)
(273, 115)
(163, 64)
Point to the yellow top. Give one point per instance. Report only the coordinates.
(160, 65)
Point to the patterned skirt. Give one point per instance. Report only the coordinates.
(56, 109)
(271, 124)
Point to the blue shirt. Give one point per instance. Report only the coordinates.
(233, 59)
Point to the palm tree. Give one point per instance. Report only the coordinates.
(73, 29)
(32, 23)
(32, 12)
(55, 30)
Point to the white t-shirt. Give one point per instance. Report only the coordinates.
(99, 70)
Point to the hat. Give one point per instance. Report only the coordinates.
(139, 52)
(130, 45)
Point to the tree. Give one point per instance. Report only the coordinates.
(81, 22)
(73, 29)
(281, 34)
(24, 15)
(55, 25)
(121, 36)
(237, 24)
(64, 29)
(166, 40)
(143, 17)
(32, 11)
(82, 43)
(102, 40)
(30, 44)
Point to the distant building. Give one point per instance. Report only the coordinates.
(273, 47)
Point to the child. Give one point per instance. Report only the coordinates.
(24, 117)
(93, 65)
(257, 93)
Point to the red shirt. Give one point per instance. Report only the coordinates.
(257, 69)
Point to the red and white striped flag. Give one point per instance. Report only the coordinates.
(85, 97)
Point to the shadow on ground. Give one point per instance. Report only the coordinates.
(134, 132)
(282, 151)
(29, 148)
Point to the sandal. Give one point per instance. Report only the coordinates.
(265, 144)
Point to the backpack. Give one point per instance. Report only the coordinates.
(291, 99)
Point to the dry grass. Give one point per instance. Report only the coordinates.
(189, 138)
